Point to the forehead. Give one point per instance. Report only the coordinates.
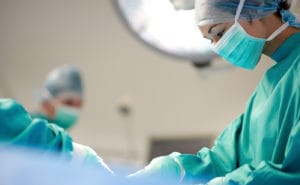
(206, 29)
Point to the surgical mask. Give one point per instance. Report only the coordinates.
(241, 49)
(66, 116)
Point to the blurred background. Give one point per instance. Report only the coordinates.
(138, 101)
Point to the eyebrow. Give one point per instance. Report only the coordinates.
(210, 29)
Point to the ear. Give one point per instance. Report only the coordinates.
(49, 109)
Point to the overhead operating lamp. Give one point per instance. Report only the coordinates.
(167, 26)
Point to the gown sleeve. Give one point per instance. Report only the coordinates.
(219, 165)
(200, 168)
(272, 171)
(17, 128)
(287, 172)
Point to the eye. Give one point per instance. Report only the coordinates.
(217, 31)
(68, 102)
(220, 34)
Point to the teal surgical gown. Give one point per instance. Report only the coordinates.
(261, 146)
(37, 115)
(18, 128)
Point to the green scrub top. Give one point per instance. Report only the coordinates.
(18, 128)
(261, 146)
(37, 115)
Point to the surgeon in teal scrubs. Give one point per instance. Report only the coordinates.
(61, 97)
(262, 145)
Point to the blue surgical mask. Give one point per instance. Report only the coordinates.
(239, 48)
(66, 116)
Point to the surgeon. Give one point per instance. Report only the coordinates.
(61, 97)
(262, 145)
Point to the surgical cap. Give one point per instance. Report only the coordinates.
(220, 11)
(63, 80)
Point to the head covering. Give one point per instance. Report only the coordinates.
(220, 11)
(64, 80)
(183, 4)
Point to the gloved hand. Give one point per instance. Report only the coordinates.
(164, 168)
(217, 181)
(89, 157)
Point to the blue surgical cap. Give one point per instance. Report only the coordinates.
(65, 80)
(220, 11)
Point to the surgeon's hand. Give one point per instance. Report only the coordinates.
(163, 168)
(89, 157)
(217, 181)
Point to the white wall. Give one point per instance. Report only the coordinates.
(169, 96)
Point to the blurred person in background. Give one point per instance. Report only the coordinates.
(61, 97)
(45, 130)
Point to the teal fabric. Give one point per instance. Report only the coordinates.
(262, 145)
(18, 128)
(65, 117)
(37, 115)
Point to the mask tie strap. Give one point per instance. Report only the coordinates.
(282, 27)
(239, 10)
(278, 31)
